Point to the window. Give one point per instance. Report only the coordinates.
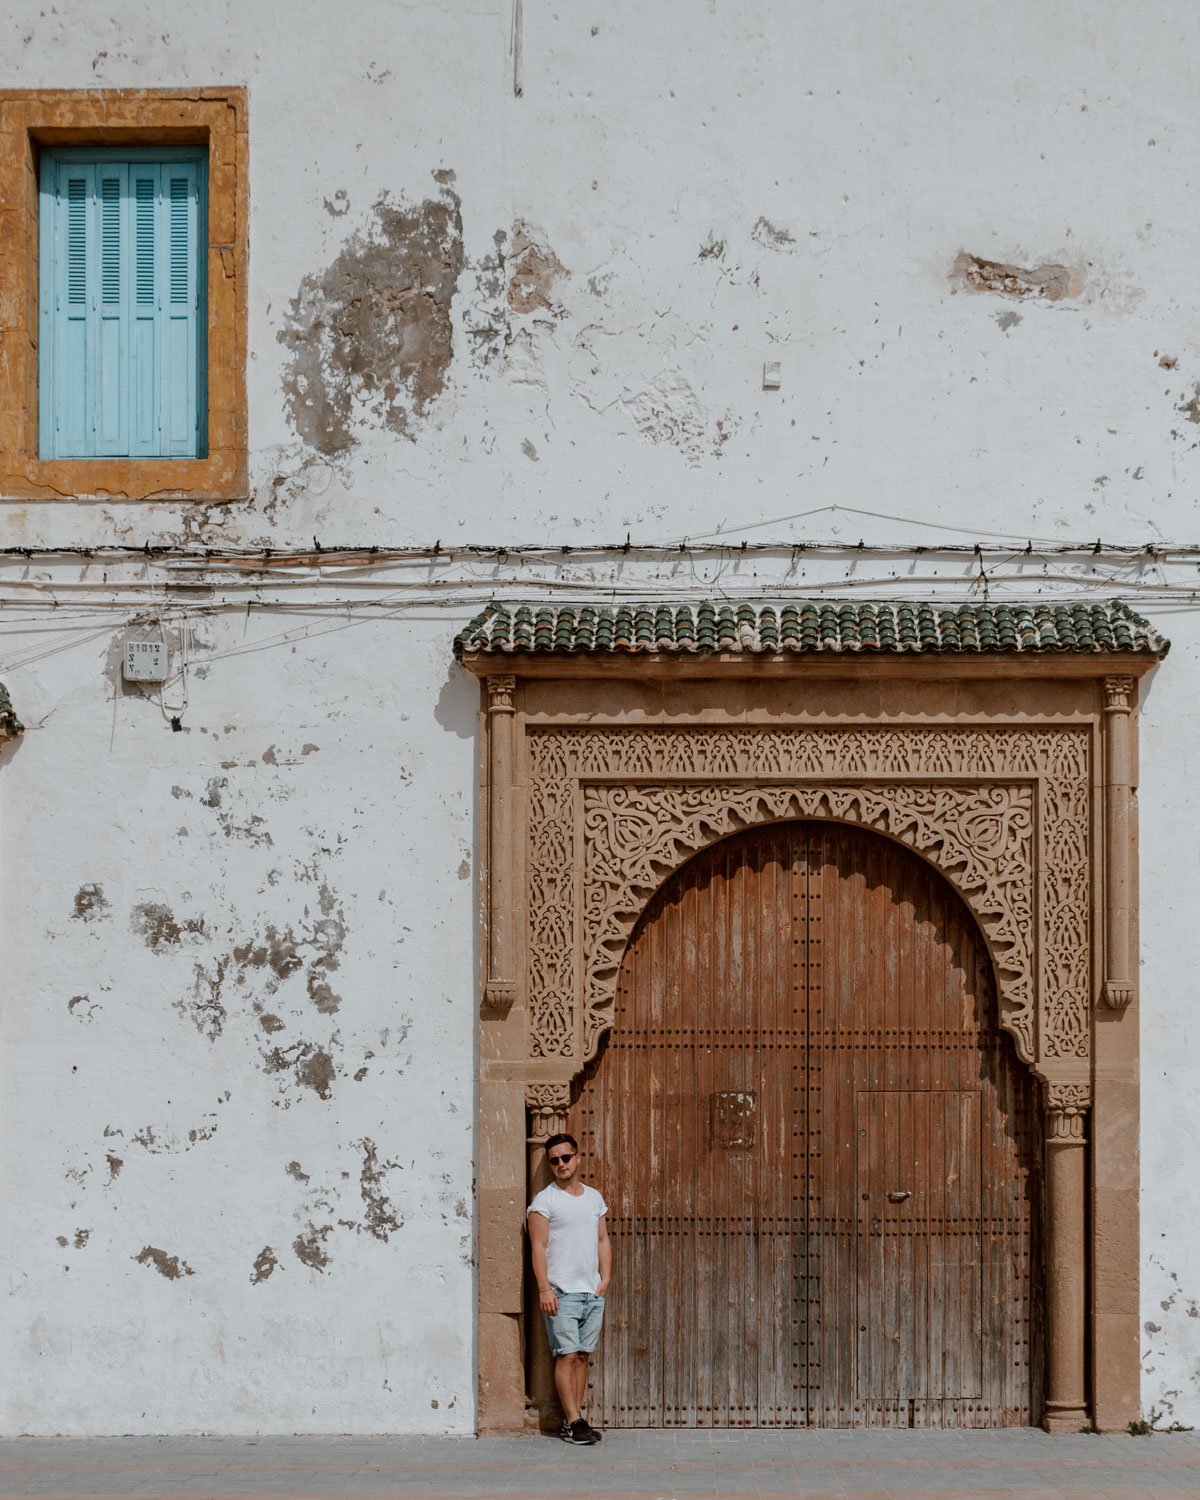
(121, 303)
(123, 279)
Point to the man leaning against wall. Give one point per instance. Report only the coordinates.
(572, 1263)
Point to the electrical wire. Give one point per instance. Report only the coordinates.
(180, 585)
(268, 558)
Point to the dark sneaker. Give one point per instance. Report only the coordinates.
(581, 1433)
(597, 1437)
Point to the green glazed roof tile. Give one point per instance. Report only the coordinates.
(804, 627)
(9, 723)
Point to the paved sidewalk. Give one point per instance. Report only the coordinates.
(653, 1465)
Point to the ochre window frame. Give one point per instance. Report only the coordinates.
(215, 118)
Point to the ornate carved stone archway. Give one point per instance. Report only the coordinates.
(1009, 770)
(979, 837)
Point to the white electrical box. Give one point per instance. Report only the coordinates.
(146, 661)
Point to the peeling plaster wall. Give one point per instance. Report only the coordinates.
(237, 1045)
(967, 250)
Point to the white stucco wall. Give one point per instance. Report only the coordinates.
(249, 1040)
(685, 191)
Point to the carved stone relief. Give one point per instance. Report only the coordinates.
(547, 1104)
(1004, 813)
(981, 837)
(1068, 1098)
(1067, 1105)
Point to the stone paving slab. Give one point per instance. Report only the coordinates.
(656, 1465)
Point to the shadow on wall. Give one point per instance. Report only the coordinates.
(457, 708)
(9, 748)
(1146, 686)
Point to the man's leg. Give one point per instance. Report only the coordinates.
(566, 1382)
(581, 1379)
(589, 1333)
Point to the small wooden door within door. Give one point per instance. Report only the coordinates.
(920, 1336)
(818, 1150)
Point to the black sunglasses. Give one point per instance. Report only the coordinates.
(557, 1161)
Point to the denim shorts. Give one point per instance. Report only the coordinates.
(575, 1327)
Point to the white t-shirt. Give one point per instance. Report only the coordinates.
(573, 1246)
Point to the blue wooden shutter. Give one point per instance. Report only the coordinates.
(68, 274)
(144, 353)
(122, 342)
(181, 206)
(112, 310)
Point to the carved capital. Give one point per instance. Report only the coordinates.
(1117, 993)
(1067, 1105)
(548, 1096)
(1118, 695)
(500, 693)
(1064, 1125)
(1074, 1098)
(547, 1104)
(498, 996)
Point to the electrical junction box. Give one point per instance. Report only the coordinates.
(146, 661)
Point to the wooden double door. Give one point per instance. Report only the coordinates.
(818, 1149)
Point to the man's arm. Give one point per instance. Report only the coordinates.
(605, 1257)
(539, 1235)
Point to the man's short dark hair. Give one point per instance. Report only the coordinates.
(561, 1140)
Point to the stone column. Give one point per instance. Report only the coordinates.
(1113, 1123)
(500, 988)
(1118, 792)
(548, 1105)
(502, 1046)
(1066, 1258)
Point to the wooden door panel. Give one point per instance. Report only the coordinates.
(805, 1015)
(687, 1123)
(919, 1313)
